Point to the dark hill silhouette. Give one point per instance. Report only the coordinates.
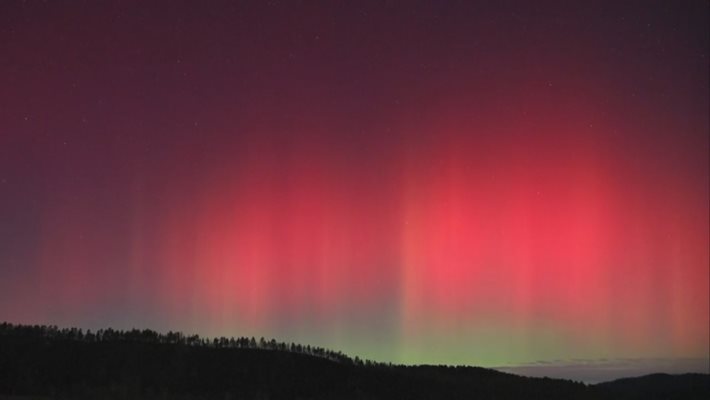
(46, 362)
(658, 386)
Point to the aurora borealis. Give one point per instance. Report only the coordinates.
(476, 183)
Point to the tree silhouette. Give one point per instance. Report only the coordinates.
(143, 364)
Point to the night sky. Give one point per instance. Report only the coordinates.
(504, 183)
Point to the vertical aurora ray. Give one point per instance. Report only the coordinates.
(420, 191)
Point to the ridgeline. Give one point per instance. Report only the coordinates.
(45, 362)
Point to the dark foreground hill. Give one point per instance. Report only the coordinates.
(658, 387)
(48, 363)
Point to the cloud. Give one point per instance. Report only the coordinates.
(600, 370)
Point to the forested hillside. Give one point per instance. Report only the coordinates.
(141, 364)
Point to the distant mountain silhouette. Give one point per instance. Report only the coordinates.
(44, 362)
(658, 386)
